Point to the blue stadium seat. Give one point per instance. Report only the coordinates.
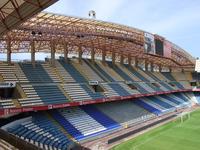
(95, 67)
(161, 103)
(136, 73)
(79, 122)
(41, 132)
(147, 107)
(120, 90)
(35, 74)
(93, 95)
(50, 94)
(72, 71)
(158, 80)
(171, 78)
(170, 99)
(127, 78)
(100, 117)
(67, 125)
(181, 96)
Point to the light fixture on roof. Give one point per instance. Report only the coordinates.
(33, 33)
(40, 33)
(92, 14)
(80, 36)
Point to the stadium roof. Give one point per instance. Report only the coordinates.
(14, 12)
(75, 32)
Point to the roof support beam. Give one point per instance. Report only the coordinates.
(122, 59)
(146, 65)
(15, 12)
(80, 54)
(113, 57)
(152, 67)
(119, 38)
(33, 53)
(103, 56)
(8, 51)
(136, 62)
(66, 52)
(170, 69)
(129, 60)
(160, 68)
(93, 55)
(53, 50)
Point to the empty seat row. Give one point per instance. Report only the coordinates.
(20, 74)
(64, 75)
(72, 71)
(42, 95)
(7, 72)
(142, 87)
(118, 89)
(169, 76)
(88, 71)
(108, 72)
(84, 123)
(110, 92)
(51, 72)
(6, 146)
(79, 92)
(98, 70)
(163, 103)
(7, 103)
(35, 74)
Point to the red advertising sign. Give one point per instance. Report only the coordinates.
(4, 112)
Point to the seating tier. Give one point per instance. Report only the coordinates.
(42, 132)
(84, 122)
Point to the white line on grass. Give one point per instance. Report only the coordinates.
(151, 138)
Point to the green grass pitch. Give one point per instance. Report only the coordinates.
(172, 136)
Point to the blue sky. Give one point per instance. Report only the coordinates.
(176, 20)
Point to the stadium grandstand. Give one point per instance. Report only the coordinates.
(102, 80)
